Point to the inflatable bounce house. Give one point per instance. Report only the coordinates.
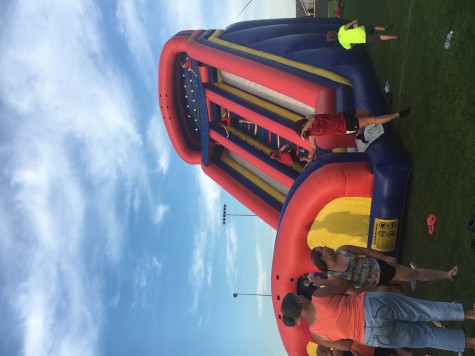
(230, 97)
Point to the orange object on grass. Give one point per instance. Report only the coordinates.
(431, 223)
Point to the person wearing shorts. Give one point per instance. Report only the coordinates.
(351, 34)
(373, 270)
(340, 123)
(379, 319)
(288, 155)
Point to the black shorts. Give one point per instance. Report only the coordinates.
(352, 123)
(382, 351)
(371, 36)
(387, 273)
(234, 121)
(294, 156)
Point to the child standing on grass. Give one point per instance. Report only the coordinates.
(351, 34)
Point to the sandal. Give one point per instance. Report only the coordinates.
(471, 223)
(431, 224)
(454, 272)
(439, 324)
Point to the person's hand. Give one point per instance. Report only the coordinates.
(382, 288)
(392, 261)
(317, 281)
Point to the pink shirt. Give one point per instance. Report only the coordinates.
(340, 317)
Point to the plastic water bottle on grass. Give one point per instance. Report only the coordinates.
(387, 88)
(448, 40)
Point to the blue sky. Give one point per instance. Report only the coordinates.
(109, 243)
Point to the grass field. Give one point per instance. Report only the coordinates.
(438, 136)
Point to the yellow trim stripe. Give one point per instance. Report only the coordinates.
(290, 115)
(252, 177)
(288, 62)
(258, 145)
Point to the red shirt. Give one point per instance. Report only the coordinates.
(285, 158)
(340, 317)
(225, 119)
(328, 124)
(188, 63)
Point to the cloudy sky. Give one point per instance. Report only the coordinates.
(109, 243)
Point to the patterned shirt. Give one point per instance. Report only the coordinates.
(361, 272)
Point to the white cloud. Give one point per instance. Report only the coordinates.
(231, 254)
(204, 241)
(158, 140)
(160, 212)
(262, 281)
(114, 301)
(218, 14)
(264, 249)
(71, 161)
(146, 286)
(198, 268)
(210, 194)
(131, 17)
(184, 15)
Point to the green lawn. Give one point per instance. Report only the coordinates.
(439, 134)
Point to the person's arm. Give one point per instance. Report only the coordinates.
(370, 253)
(330, 286)
(371, 289)
(349, 24)
(313, 149)
(334, 286)
(284, 147)
(308, 125)
(343, 344)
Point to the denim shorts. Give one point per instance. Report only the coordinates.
(394, 321)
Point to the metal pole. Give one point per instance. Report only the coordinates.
(230, 214)
(256, 294)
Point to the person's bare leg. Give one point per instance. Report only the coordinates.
(362, 112)
(402, 352)
(388, 38)
(470, 313)
(379, 28)
(368, 120)
(406, 274)
(469, 342)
